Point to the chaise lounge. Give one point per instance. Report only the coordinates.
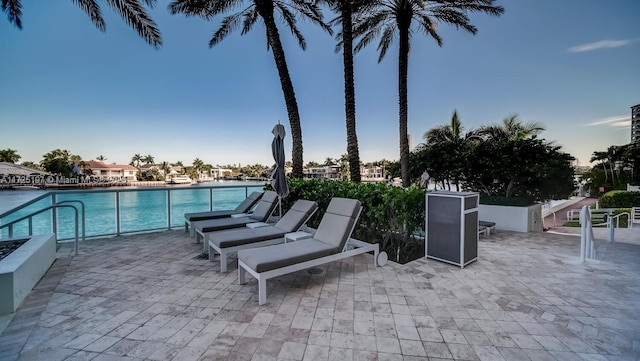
(242, 208)
(331, 242)
(260, 215)
(233, 240)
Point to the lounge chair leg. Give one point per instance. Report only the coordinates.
(223, 261)
(241, 275)
(262, 291)
(186, 227)
(211, 254)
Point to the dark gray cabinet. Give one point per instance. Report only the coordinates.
(451, 227)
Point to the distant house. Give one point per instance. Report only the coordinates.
(329, 172)
(219, 173)
(101, 169)
(372, 174)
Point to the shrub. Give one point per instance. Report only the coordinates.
(620, 199)
(393, 217)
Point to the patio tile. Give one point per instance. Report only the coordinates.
(527, 298)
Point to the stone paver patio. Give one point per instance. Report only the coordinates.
(149, 297)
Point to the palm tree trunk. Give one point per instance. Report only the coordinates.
(350, 92)
(265, 9)
(403, 66)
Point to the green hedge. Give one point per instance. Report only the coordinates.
(619, 199)
(391, 216)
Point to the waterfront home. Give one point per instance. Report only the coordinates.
(328, 172)
(101, 169)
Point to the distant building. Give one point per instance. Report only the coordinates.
(635, 124)
(372, 174)
(329, 172)
(220, 173)
(101, 169)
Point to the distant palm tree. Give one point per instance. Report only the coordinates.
(148, 159)
(511, 129)
(262, 10)
(392, 18)
(131, 11)
(165, 167)
(446, 133)
(101, 158)
(9, 155)
(135, 160)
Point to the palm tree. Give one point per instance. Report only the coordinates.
(448, 133)
(165, 168)
(135, 160)
(101, 158)
(9, 155)
(264, 10)
(131, 11)
(346, 9)
(393, 18)
(148, 159)
(511, 129)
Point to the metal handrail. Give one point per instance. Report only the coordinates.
(617, 218)
(118, 206)
(30, 217)
(83, 215)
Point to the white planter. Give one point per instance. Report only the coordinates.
(509, 218)
(23, 268)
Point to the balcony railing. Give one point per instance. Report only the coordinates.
(116, 211)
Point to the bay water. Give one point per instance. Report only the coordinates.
(138, 209)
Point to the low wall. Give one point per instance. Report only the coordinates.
(508, 218)
(23, 268)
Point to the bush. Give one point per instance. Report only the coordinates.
(393, 217)
(619, 199)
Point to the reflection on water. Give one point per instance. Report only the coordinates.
(144, 210)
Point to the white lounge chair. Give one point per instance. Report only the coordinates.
(233, 240)
(331, 242)
(261, 214)
(242, 208)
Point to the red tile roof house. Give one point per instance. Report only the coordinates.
(101, 169)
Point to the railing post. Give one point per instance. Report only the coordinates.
(583, 232)
(54, 215)
(210, 199)
(169, 209)
(117, 194)
(611, 228)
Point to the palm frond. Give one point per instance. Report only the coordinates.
(454, 17)
(290, 20)
(91, 8)
(228, 24)
(134, 14)
(430, 27)
(250, 18)
(310, 11)
(205, 9)
(385, 41)
(13, 8)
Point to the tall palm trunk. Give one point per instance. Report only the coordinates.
(403, 66)
(265, 9)
(349, 92)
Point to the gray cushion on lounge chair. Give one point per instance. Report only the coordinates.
(337, 222)
(244, 207)
(297, 215)
(261, 214)
(330, 238)
(281, 255)
(290, 222)
(486, 224)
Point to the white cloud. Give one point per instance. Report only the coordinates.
(615, 121)
(602, 44)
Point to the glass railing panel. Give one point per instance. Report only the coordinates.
(41, 222)
(143, 210)
(100, 213)
(188, 200)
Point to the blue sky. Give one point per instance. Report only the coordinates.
(571, 65)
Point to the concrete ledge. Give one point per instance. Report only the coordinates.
(509, 218)
(23, 268)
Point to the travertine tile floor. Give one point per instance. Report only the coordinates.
(148, 297)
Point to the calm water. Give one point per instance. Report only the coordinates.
(139, 210)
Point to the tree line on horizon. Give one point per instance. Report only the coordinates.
(360, 22)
